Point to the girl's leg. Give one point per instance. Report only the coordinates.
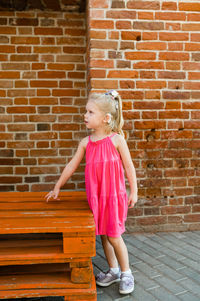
(109, 252)
(120, 251)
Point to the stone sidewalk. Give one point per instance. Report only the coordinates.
(166, 267)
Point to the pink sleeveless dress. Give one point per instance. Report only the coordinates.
(105, 187)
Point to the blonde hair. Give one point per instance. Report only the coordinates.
(110, 103)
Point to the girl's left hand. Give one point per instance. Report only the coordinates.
(132, 200)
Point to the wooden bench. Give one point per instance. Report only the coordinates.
(46, 248)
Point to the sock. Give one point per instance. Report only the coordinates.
(115, 270)
(128, 272)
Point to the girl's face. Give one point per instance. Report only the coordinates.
(94, 118)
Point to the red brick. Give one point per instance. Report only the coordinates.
(148, 65)
(149, 36)
(145, 15)
(169, 6)
(94, 34)
(102, 63)
(139, 55)
(51, 74)
(99, 3)
(122, 74)
(195, 37)
(122, 14)
(175, 46)
(131, 94)
(151, 46)
(192, 85)
(174, 56)
(97, 73)
(191, 6)
(148, 105)
(173, 65)
(172, 16)
(193, 75)
(149, 124)
(148, 25)
(170, 36)
(150, 84)
(24, 58)
(66, 92)
(173, 115)
(190, 27)
(9, 74)
(147, 74)
(104, 84)
(21, 110)
(192, 218)
(129, 35)
(47, 49)
(153, 5)
(102, 24)
(123, 25)
(176, 95)
(127, 84)
(8, 30)
(25, 40)
(48, 31)
(193, 17)
(171, 75)
(103, 44)
(75, 32)
(152, 94)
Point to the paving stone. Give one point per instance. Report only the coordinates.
(190, 273)
(163, 295)
(170, 285)
(188, 297)
(144, 281)
(169, 272)
(191, 286)
(141, 295)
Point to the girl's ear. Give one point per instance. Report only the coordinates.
(107, 118)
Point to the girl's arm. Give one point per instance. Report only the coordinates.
(69, 169)
(129, 168)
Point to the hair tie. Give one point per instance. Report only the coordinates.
(114, 94)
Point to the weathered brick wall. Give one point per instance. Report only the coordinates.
(149, 52)
(42, 92)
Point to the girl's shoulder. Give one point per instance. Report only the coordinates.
(84, 142)
(117, 140)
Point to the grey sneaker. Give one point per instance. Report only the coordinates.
(126, 285)
(106, 279)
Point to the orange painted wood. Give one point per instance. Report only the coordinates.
(46, 248)
(75, 294)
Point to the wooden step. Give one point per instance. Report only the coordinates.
(44, 285)
(33, 250)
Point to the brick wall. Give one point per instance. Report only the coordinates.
(149, 52)
(42, 92)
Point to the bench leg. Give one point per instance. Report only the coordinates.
(80, 273)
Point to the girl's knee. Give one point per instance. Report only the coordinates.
(114, 240)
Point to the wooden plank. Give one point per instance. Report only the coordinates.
(44, 206)
(26, 196)
(39, 281)
(46, 225)
(75, 294)
(75, 244)
(52, 213)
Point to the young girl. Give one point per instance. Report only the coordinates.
(106, 154)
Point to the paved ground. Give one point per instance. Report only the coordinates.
(166, 267)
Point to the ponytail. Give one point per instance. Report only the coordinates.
(118, 121)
